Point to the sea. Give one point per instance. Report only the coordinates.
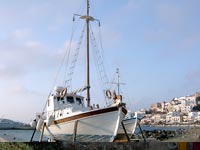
(166, 128)
(13, 135)
(25, 135)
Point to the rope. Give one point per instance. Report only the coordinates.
(73, 31)
(102, 52)
(74, 60)
(67, 53)
(81, 8)
(98, 57)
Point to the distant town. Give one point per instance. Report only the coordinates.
(178, 111)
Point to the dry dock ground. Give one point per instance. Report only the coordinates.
(99, 146)
(182, 142)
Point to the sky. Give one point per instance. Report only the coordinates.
(155, 44)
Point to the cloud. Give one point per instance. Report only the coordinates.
(173, 29)
(177, 18)
(168, 21)
(22, 33)
(18, 89)
(8, 72)
(19, 49)
(24, 61)
(28, 60)
(21, 101)
(49, 16)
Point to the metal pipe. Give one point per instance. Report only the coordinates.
(125, 131)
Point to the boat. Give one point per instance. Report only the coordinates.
(67, 118)
(129, 123)
(127, 127)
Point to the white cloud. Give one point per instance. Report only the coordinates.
(10, 72)
(31, 53)
(19, 102)
(21, 59)
(27, 62)
(22, 33)
(19, 49)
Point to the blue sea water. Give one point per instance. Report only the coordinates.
(20, 135)
(166, 128)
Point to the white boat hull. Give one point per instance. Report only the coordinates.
(99, 125)
(130, 126)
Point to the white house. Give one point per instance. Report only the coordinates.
(190, 98)
(186, 109)
(173, 117)
(198, 117)
(176, 108)
(192, 117)
(156, 118)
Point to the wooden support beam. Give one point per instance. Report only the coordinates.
(141, 132)
(41, 135)
(75, 130)
(33, 134)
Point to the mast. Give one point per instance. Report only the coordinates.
(118, 83)
(87, 18)
(117, 80)
(87, 57)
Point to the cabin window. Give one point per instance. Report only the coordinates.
(70, 99)
(78, 101)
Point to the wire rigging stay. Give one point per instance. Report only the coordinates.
(99, 63)
(64, 62)
(74, 61)
(71, 56)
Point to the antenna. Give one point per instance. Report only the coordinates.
(118, 83)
